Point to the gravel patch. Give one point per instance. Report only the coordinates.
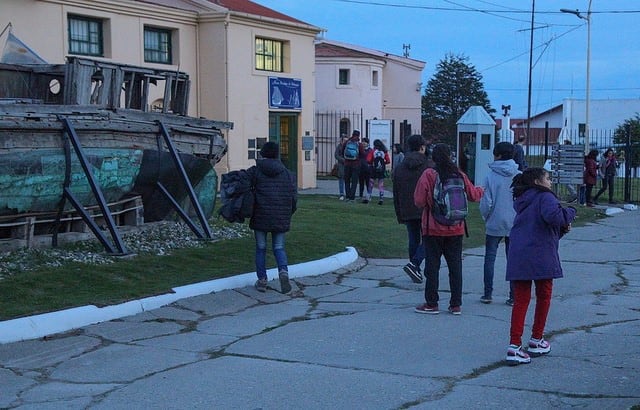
(158, 238)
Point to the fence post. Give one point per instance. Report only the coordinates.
(627, 164)
(546, 141)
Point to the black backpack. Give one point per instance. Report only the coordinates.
(237, 196)
(379, 166)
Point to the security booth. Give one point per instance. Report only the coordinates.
(475, 143)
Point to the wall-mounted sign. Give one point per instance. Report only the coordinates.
(285, 93)
(307, 143)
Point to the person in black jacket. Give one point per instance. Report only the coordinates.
(275, 203)
(405, 176)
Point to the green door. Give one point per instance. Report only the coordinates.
(283, 129)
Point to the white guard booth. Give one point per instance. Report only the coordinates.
(475, 142)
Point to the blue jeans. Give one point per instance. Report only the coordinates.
(490, 253)
(435, 247)
(277, 242)
(416, 250)
(341, 186)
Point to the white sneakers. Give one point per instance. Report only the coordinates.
(538, 347)
(517, 355)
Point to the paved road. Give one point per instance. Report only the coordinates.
(353, 342)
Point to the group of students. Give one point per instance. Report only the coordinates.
(361, 165)
(516, 205)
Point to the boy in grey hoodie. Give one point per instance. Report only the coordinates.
(496, 208)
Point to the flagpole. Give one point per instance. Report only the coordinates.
(8, 26)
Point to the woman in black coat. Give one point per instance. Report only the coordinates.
(275, 203)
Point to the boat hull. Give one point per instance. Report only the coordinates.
(32, 183)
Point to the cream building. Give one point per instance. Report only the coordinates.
(248, 64)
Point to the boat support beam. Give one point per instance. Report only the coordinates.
(71, 134)
(206, 231)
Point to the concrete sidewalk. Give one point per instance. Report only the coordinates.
(353, 341)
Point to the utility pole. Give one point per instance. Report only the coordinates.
(587, 18)
(533, 9)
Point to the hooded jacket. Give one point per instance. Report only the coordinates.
(496, 205)
(275, 196)
(590, 175)
(405, 177)
(423, 198)
(535, 236)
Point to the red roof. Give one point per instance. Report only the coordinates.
(249, 7)
(331, 50)
(240, 6)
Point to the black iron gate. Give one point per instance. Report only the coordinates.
(330, 126)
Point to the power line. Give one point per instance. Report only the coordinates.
(545, 45)
(563, 89)
(464, 8)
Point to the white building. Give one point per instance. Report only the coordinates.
(567, 121)
(371, 85)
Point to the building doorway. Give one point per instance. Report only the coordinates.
(283, 129)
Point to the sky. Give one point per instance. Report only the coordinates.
(495, 35)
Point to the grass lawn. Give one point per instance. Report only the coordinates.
(322, 226)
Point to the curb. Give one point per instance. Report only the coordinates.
(46, 324)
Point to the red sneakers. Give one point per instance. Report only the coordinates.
(432, 310)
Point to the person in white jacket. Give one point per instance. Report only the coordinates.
(496, 208)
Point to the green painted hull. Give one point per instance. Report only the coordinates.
(32, 182)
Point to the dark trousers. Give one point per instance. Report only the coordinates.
(589, 190)
(607, 182)
(364, 180)
(416, 250)
(351, 176)
(451, 248)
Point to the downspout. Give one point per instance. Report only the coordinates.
(198, 62)
(226, 80)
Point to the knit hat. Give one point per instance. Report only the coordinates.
(270, 150)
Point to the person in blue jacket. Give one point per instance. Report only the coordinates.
(275, 202)
(539, 224)
(496, 209)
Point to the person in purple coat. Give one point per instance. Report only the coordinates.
(533, 256)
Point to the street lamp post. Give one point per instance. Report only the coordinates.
(587, 18)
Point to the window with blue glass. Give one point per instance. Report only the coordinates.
(85, 36)
(157, 45)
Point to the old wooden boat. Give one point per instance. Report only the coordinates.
(85, 134)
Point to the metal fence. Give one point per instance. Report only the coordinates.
(330, 126)
(627, 184)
